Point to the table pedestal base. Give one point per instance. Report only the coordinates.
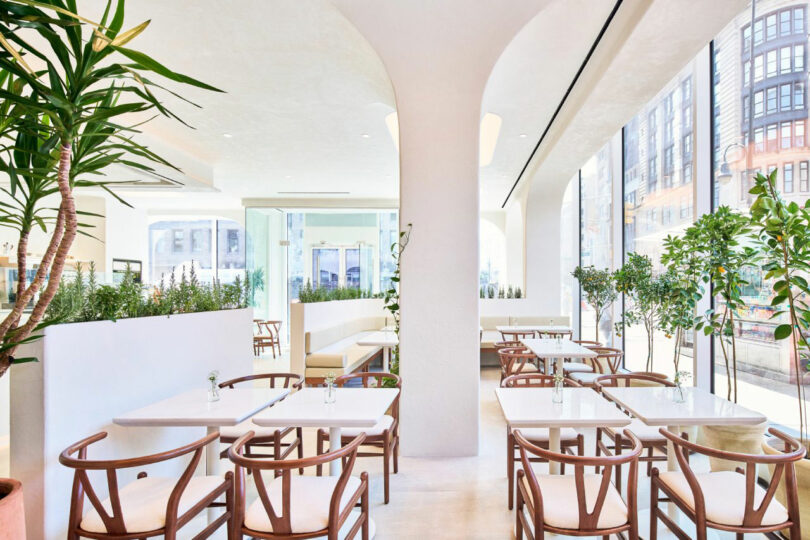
(334, 445)
(554, 446)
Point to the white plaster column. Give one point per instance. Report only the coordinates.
(439, 57)
(543, 237)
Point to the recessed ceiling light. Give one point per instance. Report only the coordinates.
(364, 135)
(227, 135)
(523, 135)
(287, 177)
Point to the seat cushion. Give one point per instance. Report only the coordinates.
(524, 369)
(560, 505)
(541, 434)
(572, 367)
(143, 502)
(309, 503)
(378, 428)
(724, 494)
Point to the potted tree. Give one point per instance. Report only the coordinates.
(60, 129)
(598, 288)
(648, 295)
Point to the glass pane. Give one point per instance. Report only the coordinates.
(389, 229)
(765, 372)
(655, 208)
(353, 268)
(230, 250)
(174, 246)
(325, 267)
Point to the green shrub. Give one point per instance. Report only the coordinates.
(309, 295)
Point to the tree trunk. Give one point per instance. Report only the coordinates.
(733, 354)
(596, 338)
(22, 261)
(67, 226)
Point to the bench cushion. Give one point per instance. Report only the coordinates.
(538, 320)
(489, 338)
(490, 323)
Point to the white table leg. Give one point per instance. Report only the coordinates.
(212, 466)
(672, 465)
(386, 358)
(334, 444)
(554, 446)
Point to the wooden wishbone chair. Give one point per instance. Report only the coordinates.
(570, 440)
(269, 438)
(517, 335)
(383, 436)
(148, 506)
(607, 362)
(579, 504)
(729, 500)
(588, 343)
(562, 334)
(516, 360)
(651, 439)
(298, 507)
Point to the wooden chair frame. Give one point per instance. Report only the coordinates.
(280, 448)
(513, 360)
(114, 523)
(272, 337)
(619, 442)
(386, 444)
(535, 380)
(588, 343)
(783, 465)
(280, 517)
(535, 527)
(562, 334)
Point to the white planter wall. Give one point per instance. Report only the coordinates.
(305, 317)
(513, 307)
(90, 372)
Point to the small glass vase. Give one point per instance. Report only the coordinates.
(329, 393)
(677, 393)
(557, 393)
(213, 392)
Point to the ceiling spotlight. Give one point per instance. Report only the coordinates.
(522, 135)
(227, 135)
(364, 135)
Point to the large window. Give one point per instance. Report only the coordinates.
(596, 217)
(652, 212)
(763, 364)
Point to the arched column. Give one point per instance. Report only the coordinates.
(439, 56)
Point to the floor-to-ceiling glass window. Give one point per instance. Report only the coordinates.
(659, 195)
(569, 246)
(760, 121)
(596, 218)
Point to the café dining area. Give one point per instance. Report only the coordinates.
(346, 269)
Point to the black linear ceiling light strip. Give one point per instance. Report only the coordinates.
(565, 96)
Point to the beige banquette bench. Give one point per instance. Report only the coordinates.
(489, 330)
(335, 350)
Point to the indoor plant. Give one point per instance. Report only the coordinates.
(598, 288)
(391, 296)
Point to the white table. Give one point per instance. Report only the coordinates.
(580, 408)
(534, 328)
(192, 408)
(655, 406)
(353, 407)
(552, 349)
(382, 338)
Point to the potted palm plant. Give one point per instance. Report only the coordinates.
(66, 86)
(598, 288)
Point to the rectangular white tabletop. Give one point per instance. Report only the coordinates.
(382, 338)
(551, 348)
(192, 408)
(655, 406)
(353, 407)
(533, 328)
(581, 407)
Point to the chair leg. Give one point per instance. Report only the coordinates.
(396, 453)
(230, 508)
(650, 463)
(617, 450)
(654, 507)
(386, 465)
(319, 451)
(518, 513)
(299, 433)
(510, 466)
(364, 509)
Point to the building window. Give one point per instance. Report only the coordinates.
(798, 133)
(772, 139)
(758, 140)
(758, 68)
(770, 64)
(798, 95)
(746, 73)
(233, 241)
(652, 166)
(784, 23)
(804, 176)
(798, 21)
(197, 240)
(798, 58)
(669, 161)
(784, 60)
(757, 104)
(770, 99)
(770, 27)
(787, 175)
(178, 237)
(786, 135)
(757, 31)
(784, 97)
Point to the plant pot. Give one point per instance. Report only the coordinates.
(740, 439)
(12, 514)
(802, 480)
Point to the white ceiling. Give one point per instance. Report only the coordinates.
(307, 96)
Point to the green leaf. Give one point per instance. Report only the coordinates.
(145, 62)
(782, 331)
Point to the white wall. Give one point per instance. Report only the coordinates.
(515, 229)
(127, 235)
(90, 372)
(320, 315)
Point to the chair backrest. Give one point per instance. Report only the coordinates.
(588, 520)
(516, 335)
(113, 518)
(535, 380)
(588, 343)
(275, 380)
(509, 345)
(562, 334)
(514, 360)
(280, 515)
(630, 379)
(783, 465)
(273, 327)
(607, 360)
